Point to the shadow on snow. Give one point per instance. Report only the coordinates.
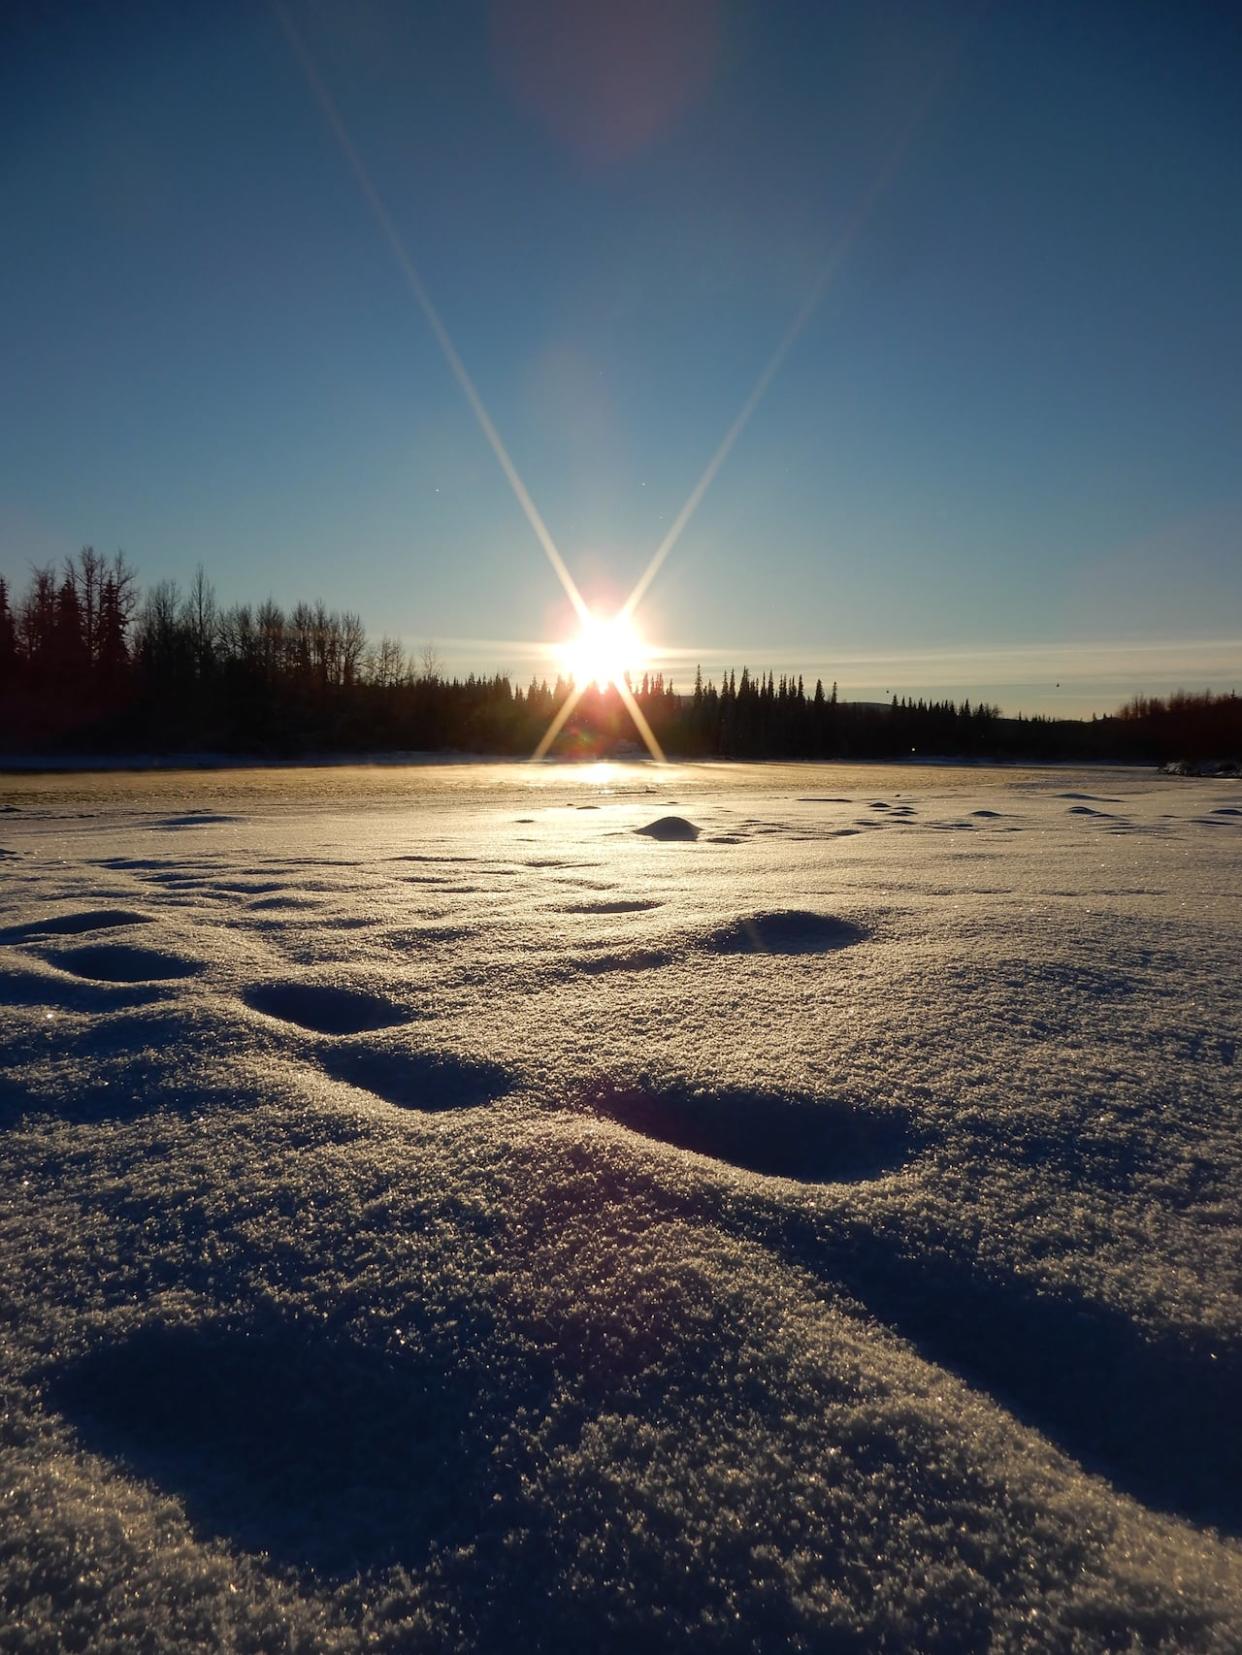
(1156, 1414)
(287, 1440)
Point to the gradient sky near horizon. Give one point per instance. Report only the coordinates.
(1003, 457)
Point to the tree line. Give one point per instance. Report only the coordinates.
(92, 663)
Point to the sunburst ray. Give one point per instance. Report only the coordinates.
(417, 287)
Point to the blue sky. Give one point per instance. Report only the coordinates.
(1001, 457)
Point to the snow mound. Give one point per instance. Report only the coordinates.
(670, 828)
(172, 824)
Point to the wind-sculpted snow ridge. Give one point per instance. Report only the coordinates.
(74, 924)
(52, 991)
(817, 1231)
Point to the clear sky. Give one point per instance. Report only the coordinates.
(1003, 456)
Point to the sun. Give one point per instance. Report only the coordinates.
(607, 650)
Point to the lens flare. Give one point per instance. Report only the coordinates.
(607, 651)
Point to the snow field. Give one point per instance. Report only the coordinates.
(439, 1213)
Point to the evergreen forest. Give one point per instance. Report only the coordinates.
(92, 663)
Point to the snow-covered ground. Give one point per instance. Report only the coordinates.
(438, 1214)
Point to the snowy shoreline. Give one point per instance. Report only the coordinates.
(88, 764)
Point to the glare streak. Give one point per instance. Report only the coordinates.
(758, 390)
(415, 283)
(484, 420)
(1091, 656)
(866, 206)
(559, 722)
(640, 721)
